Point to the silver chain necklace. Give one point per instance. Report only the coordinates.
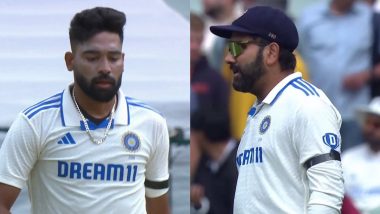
(96, 141)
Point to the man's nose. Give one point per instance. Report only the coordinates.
(229, 59)
(105, 66)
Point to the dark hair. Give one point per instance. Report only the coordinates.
(87, 23)
(214, 124)
(286, 58)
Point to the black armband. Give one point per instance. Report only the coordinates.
(333, 155)
(157, 184)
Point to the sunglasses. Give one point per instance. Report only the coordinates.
(236, 48)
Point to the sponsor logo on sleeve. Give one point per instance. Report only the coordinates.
(331, 140)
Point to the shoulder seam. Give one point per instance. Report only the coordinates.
(138, 103)
(54, 97)
(52, 102)
(305, 87)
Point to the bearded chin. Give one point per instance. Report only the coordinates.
(95, 93)
(249, 74)
(103, 95)
(246, 80)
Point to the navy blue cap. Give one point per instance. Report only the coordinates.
(265, 22)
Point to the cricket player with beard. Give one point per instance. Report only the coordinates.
(89, 149)
(289, 155)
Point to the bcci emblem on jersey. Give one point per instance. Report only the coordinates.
(131, 141)
(265, 123)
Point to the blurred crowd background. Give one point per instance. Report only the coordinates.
(339, 52)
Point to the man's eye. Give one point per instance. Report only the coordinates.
(91, 59)
(114, 58)
(243, 46)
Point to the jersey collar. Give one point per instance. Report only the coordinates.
(70, 116)
(276, 92)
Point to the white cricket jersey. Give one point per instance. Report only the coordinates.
(47, 147)
(295, 121)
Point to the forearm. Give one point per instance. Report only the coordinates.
(4, 210)
(159, 205)
(8, 195)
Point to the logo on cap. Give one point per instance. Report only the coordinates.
(272, 35)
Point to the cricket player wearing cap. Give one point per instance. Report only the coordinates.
(289, 156)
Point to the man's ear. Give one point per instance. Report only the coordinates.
(69, 60)
(272, 53)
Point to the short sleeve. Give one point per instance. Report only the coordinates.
(157, 171)
(18, 152)
(317, 129)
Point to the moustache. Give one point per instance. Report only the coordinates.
(104, 78)
(235, 68)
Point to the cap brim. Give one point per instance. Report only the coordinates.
(226, 31)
